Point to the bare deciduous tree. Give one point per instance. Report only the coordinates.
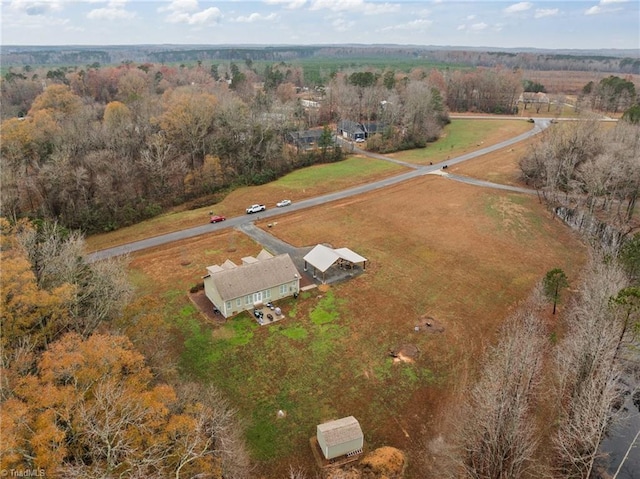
(587, 384)
(498, 436)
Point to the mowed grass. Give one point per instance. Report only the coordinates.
(464, 135)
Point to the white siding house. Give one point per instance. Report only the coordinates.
(235, 288)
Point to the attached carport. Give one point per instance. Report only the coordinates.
(321, 258)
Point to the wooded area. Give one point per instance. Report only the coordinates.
(99, 148)
(78, 399)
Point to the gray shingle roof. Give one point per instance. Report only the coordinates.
(340, 431)
(249, 278)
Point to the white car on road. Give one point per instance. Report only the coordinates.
(282, 203)
(256, 208)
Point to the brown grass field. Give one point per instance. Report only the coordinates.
(463, 255)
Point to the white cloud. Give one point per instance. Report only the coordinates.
(461, 27)
(181, 6)
(256, 17)
(413, 25)
(210, 15)
(357, 6)
(518, 7)
(342, 25)
(477, 27)
(471, 17)
(290, 4)
(180, 11)
(35, 7)
(113, 11)
(546, 12)
(604, 6)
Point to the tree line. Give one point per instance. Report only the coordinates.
(582, 165)
(541, 407)
(100, 148)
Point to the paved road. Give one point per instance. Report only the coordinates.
(416, 171)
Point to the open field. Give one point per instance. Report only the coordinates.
(463, 136)
(461, 254)
(568, 82)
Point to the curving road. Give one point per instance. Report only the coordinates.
(540, 124)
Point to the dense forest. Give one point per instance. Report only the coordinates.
(614, 61)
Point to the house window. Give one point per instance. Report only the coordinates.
(228, 306)
(257, 297)
(283, 289)
(239, 302)
(267, 294)
(247, 299)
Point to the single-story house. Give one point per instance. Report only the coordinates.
(321, 258)
(350, 130)
(235, 288)
(342, 437)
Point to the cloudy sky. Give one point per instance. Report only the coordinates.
(489, 23)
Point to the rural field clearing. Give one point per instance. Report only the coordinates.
(460, 254)
(460, 137)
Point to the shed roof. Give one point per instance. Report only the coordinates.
(340, 431)
(322, 257)
(249, 278)
(347, 254)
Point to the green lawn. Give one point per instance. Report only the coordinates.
(294, 367)
(462, 136)
(350, 171)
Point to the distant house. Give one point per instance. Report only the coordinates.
(342, 437)
(235, 288)
(310, 104)
(304, 140)
(372, 127)
(537, 99)
(351, 130)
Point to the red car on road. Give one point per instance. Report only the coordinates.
(217, 218)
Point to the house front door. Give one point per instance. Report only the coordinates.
(257, 297)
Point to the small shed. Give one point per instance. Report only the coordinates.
(342, 437)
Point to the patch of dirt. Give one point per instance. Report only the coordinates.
(205, 307)
(407, 353)
(429, 324)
